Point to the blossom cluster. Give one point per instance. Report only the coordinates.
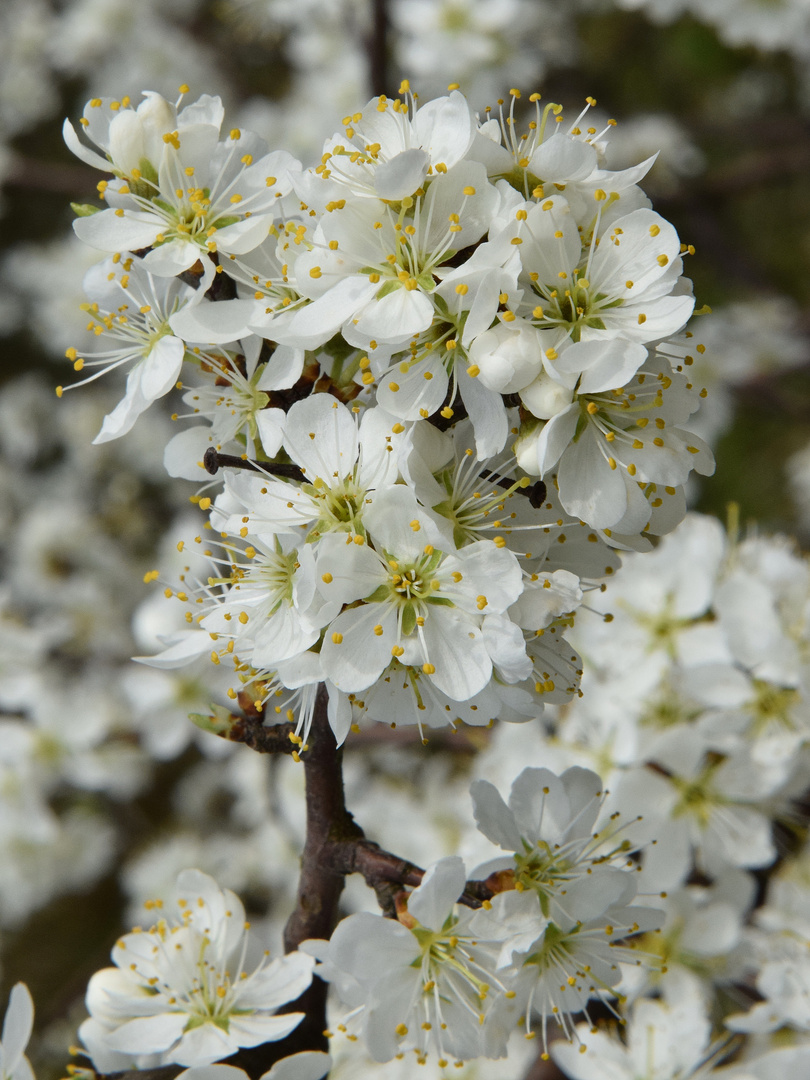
(396, 343)
(710, 734)
(451, 981)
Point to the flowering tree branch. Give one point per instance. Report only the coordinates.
(402, 562)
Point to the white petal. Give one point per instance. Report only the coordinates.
(213, 1072)
(306, 1065)
(402, 175)
(563, 159)
(243, 236)
(555, 437)
(191, 644)
(217, 323)
(282, 636)
(256, 1029)
(207, 109)
(172, 258)
(589, 488)
(493, 817)
(321, 437)
(417, 392)
(283, 369)
(203, 1045)
(604, 363)
(360, 656)
(109, 232)
(391, 520)
(487, 413)
(88, 156)
(445, 128)
(148, 1034)
(432, 901)
(270, 425)
(397, 316)
(125, 413)
(159, 370)
(368, 946)
(354, 570)
(456, 649)
(17, 1026)
(183, 456)
(318, 321)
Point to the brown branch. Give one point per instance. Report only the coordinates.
(329, 825)
(265, 740)
(377, 48)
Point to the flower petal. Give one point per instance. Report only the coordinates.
(432, 901)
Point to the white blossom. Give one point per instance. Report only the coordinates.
(179, 992)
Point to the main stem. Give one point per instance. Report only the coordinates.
(319, 887)
(321, 881)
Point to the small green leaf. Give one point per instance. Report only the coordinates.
(219, 723)
(84, 209)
